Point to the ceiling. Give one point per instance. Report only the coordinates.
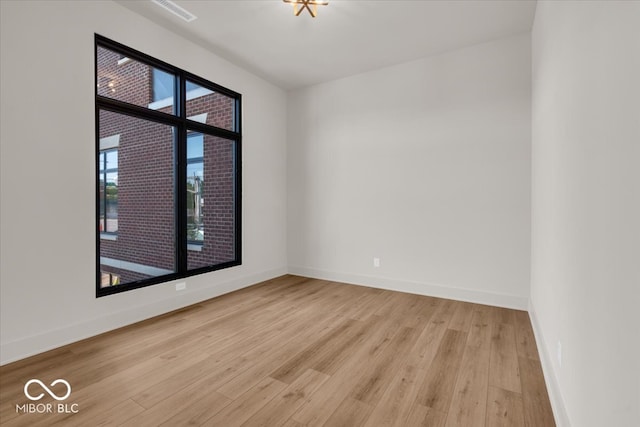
(347, 37)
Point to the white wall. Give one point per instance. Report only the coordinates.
(47, 271)
(585, 290)
(425, 165)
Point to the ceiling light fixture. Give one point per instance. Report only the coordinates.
(310, 5)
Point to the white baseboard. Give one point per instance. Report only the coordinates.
(29, 346)
(419, 288)
(550, 378)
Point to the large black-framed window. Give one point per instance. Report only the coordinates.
(168, 171)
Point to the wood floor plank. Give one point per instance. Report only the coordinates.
(504, 371)
(371, 387)
(396, 403)
(358, 307)
(328, 361)
(535, 400)
(469, 403)
(339, 354)
(198, 411)
(525, 340)
(288, 401)
(302, 360)
(277, 355)
(415, 310)
(314, 411)
(437, 389)
(390, 304)
(424, 313)
(371, 306)
(178, 403)
(28, 420)
(350, 413)
(115, 416)
(428, 342)
(461, 320)
(503, 315)
(504, 408)
(242, 408)
(423, 416)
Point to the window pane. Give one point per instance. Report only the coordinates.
(163, 85)
(131, 81)
(206, 106)
(112, 202)
(195, 202)
(194, 145)
(101, 198)
(195, 183)
(112, 159)
(212, 215)
(191, 86)
(139, 199)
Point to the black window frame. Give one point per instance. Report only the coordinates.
(183, 125)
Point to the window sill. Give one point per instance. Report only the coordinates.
(194, 247)
(108, 236)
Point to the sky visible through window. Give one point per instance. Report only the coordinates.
(163, 84)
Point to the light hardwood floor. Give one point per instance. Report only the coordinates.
(298, 352)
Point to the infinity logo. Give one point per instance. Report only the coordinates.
(52, 394)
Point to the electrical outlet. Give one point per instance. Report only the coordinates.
(376, 262)
(559, 353)
(181, 286)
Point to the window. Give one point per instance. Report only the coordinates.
(167, 172)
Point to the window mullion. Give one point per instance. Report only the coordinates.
(181, 176)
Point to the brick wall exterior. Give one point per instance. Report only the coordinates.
(146, 233)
